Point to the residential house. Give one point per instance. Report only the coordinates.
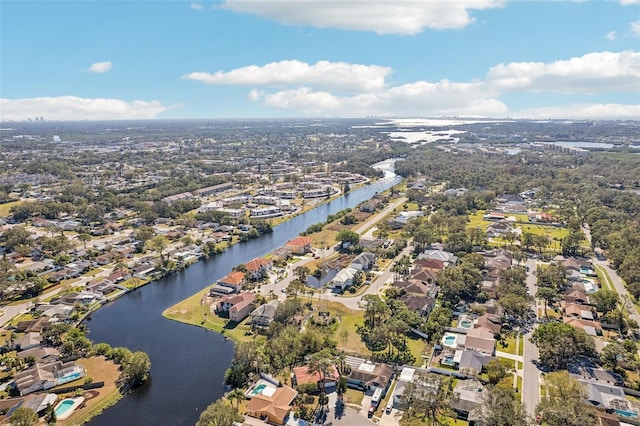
(143, 270)
(444, 256)
(365, 261)
(42, 355)
(238, 306)
(36, 325)
(302, 376)
(233, 280)
(368, 376)
(281, 254)
(422, 305)
(499, 228)
(472, 362)
(272, 407)
(470, 395)
(257, 267)
(592, 328)
(490, 322)
(46, 376)
(606, 396)
(481, 340)
(264, 314)
(300, 245)
(576, 296)
(119, 276)
(434, 265)
(343, 279)
(573, 310)
(29, 341)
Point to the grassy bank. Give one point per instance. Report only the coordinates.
(191, 311)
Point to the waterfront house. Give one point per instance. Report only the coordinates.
(233, 280)
(274, 406)
(299, 245)
(237, 306)
(46, 376)
(257, 267)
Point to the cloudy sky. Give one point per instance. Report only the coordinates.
(68, 60)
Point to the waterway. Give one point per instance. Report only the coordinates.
(187, 362)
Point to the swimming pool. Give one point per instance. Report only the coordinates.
(449, 340)
(258, 389)
(65, 408)
(69, 378)
(465, 323)
(625, 413)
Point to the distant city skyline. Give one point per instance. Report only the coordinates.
(103, 60)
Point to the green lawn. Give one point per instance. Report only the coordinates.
(190, 311)
(5, 208)
(603, 276)
(508, 346)
(521, 346)
(476, 221)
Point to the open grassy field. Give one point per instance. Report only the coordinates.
(603, 276)
(476, 221)
(5, 208)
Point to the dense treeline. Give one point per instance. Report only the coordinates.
(588, 188)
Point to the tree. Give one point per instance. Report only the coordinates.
(427, 396)
(236, 395)
(24, 417)
(321, 363)
(296, 286)
(84, 239)
(549, 295)
(605, 300)
(301, 272)
(50, 415)
(347, 236)
(219, 414)
(136, 369)
(502, 407)
(497, 370)
(561, 344)
(158, 243)
(563, 402)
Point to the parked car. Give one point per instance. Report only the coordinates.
(389, 407)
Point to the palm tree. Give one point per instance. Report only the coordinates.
(236, 395)
(322, 363)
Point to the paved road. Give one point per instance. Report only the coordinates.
(531, 374)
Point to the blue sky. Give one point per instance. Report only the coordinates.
(68, 60)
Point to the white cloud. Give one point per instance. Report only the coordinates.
(380, 16)
(628, 2)
(592, 73)
(611, 35)
(74, 108)
(100, 67)
(420, 98)
(323, 74)
(197, 6)
(583, 111)
(634, 28)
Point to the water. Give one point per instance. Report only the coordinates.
(188, 362)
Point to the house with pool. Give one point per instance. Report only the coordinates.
(270, 401)
(47, 376)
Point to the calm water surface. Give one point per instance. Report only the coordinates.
(188, 363)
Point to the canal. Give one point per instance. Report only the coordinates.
(188, 363)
